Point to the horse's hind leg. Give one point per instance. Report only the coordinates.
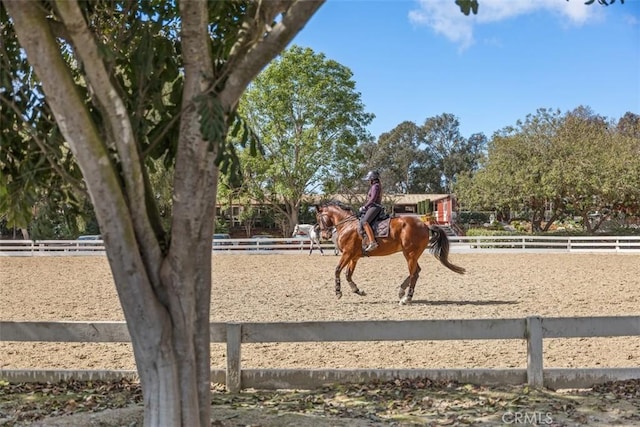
(411, 280)
(315, 242)
(412, 285)
(403, 287)
(349, 273)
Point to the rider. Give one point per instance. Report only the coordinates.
(372, 207)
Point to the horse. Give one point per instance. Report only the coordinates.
(313, 232)
(330, 234)
(408, 234)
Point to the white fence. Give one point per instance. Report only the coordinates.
(292, 245)
(546, 244)
(96, 247)
(531, 329)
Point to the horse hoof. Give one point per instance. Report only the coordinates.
(338, 295)
(361, 293)
(403, 301)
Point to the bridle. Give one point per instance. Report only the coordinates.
(323, 222)
(328, 224)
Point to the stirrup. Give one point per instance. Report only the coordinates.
(373, 245)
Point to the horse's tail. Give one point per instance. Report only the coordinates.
(439, 248)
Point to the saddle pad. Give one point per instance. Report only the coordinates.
(381, 228)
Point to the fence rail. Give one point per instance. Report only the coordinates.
(532, 329)
(293, 245)
(96, 247)
(546, 243)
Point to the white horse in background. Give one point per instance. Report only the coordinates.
(313, 233)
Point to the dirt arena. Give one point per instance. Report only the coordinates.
(299, 287)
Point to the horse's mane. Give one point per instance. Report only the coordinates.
(338, 204)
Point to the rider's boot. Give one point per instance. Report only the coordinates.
(372, 240)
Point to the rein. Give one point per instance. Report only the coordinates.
(349, 218)
(341, 222)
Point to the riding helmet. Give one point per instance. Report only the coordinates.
(371, 175)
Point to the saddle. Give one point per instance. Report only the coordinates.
(380, 224)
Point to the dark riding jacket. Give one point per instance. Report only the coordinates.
(372, 206)
(374, 197)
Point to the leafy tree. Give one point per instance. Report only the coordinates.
(553, 166)
(398, 157)
(591, 166)
(451, 153)
(512, 175)
(126, 83)
(629, 125)
(418, 159)
(310, 120)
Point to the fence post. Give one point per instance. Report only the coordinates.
(534, 351)
(234, 371)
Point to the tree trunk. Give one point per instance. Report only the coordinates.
(586, 223)
(167, 339)
(294, 218)
(164, 284)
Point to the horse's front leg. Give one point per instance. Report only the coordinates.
(337, 273)
(349, 274)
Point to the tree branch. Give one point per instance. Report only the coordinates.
(93, 157)
(124, 140)
(42, 50)
(267, 48)
(76, 184)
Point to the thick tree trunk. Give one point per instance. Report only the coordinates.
(294, 219)
(164, 285)
(167, 342)
(187, 269)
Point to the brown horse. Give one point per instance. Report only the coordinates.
(406, 233)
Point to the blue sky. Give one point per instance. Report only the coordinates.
(417, 59)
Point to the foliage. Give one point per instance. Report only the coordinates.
(452, 154)
(144, 62)
(221, 225)
(310, 119)
(491, 231)
(467, 217)
(424, 159)
(399, 156)
(553, 166)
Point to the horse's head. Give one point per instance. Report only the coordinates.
(322, 218)
(332, 213)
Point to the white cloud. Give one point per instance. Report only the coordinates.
(631, 20)
(444, 16)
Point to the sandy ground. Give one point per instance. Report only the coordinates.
(262, 287)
